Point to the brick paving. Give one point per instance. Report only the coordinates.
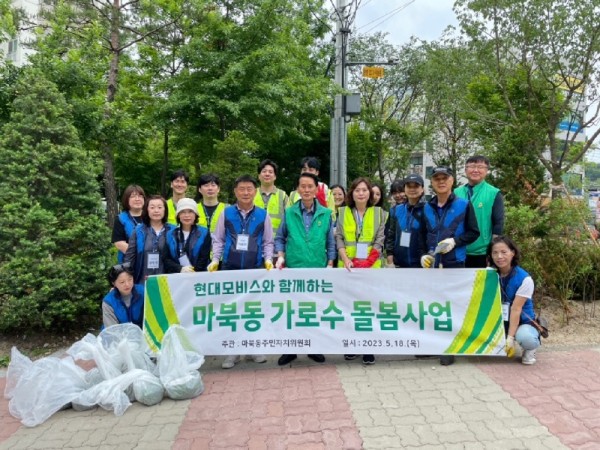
(400, 402)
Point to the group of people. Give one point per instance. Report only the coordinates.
(318, 226)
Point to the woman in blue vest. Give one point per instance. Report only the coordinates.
(516, 287)
(405, 231)
(188, 245)
(148, 239)
(125, 302)
(132, 202)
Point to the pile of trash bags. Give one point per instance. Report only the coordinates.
(124, 372)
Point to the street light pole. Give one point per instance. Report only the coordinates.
(338, 152)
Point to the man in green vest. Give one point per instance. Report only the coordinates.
(179, 185)
(305, 238)
(268, 196)
(488, 204)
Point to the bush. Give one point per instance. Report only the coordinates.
(53, 237)
(557, 249)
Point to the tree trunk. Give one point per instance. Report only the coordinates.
(163, 178)
(107, 146)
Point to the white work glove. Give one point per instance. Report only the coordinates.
(445, 246)
(213, 266)
(268, 264)
(187, 269)
(510, 346)
(390, 265)
(280, 264)
(427, 261)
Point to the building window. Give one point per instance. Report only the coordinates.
(13, 46)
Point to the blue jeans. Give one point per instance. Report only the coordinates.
(527, 337)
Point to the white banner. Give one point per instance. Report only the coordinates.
(330, 311)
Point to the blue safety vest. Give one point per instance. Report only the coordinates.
(253, 226)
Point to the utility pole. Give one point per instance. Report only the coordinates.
(338, 152)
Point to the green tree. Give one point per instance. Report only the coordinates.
(446, 110)
(387, 130)
(249, 67)
(53, 239)
(236, 157)
(554, 47)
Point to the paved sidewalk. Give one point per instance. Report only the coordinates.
(400, 402)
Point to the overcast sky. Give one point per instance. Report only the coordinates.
(426, 19)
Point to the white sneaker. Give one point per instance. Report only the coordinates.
(257, 358)
(230, 361)
(528, 357)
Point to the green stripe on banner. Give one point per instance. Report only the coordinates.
(485, 307)
(470, 315)
(154, 295)
(151, 338)
(492, 338)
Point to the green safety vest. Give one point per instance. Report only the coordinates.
(302, 248)
(275, 208)
(203, 220)
(482, 200)
(372, 220)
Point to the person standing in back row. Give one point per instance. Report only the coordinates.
(488, 204)
(268, 196)
(179, 184)
(324, 196)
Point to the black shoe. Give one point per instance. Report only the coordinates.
(350, 357)
(446, 360)
(286, 359)
(317, 358)
(368, 360)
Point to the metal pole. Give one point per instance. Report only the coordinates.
(337, 170)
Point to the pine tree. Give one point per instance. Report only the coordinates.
(53, 237)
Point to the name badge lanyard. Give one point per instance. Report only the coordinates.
(183, 244)
(153, 257)
(155, 238)
(243, 239)
(359, 224)
(504, 296)
(183, 247)
(361, 247)
(406, 231)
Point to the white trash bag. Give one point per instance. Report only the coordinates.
(111, 337)
(39, 389)
(178, 364)
(110, 394)
(147, 388)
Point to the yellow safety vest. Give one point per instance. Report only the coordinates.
(172, 212)
(276, 207)
(203, 220)
(372, 220)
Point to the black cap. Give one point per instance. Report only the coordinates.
(443, 170)
(414, 178)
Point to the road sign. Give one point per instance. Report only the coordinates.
(373, 72)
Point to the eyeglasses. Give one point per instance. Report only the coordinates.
(477, 166)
